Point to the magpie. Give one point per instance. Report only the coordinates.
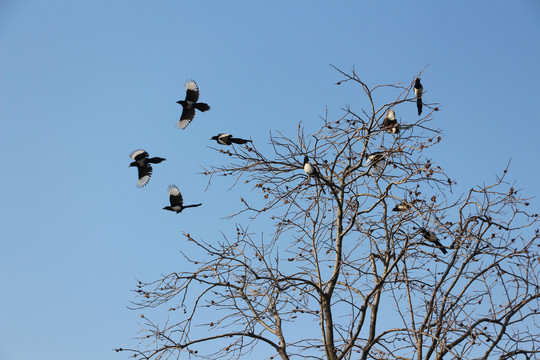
(177, 202)
(390, 124)
(376, 158)
(418, 89)
(311, 170)
(142, 162)
(227, 139)
(431, 237)
(404, 206)
(190, 104)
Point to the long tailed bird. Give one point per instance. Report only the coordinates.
(418, 90)
(390, 124)
(142, 162)
(190, 104)
(227, 139)
(312, 171)
(431, 237)
(177, 202)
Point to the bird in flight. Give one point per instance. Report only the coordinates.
(418, 90)
(390, 124)
(142, 162)
(177, 202)
(190, 104)
(227, 139)
(431, 237)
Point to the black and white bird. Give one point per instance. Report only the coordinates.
(190, 104)
(312, 171)
(142, 162)
(404, 206)
(390, 124)
(418, 90)
(227, 139)
(177, 202)
(431, 237)
(377, 159)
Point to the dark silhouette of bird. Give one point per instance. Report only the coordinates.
(390, 124)
(418, 90)
(312, 171)
(177, 202)
(142, 162)
(227, 139)
(431, 237)
(190, 104)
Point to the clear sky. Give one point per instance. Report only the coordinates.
(84, 83)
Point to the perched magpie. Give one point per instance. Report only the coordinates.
(404, 206)
(390, 124)
(142, 162)
(177, 203)
(418, 89)
(431, 237)
(312, 171)
(377, 159)
(190, 104)
(227, 139)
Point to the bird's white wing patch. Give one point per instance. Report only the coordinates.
(143, 181)
(191, 85)
(183, 123)
(173, 190)
(136, 153)
(391, 115)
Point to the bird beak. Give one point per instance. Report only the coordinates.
(178, 102)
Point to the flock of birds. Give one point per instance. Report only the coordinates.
(142, 161)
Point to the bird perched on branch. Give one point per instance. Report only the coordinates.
(431, 237)
(177, 202)
(418, 90)
(142, 162)
(227, 139)
(190, 104)
(377, 159)
(390, 124)
(312, 171)
(404, 206)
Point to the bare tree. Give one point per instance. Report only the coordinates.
(371, 257)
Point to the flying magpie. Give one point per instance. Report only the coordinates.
(177, 202)
(227, 139)
(142, 162)
(190, 104)
(311, 170)
(431, 237)
(418, 89)
(390, 124)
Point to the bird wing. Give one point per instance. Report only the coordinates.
(192, 91)
(145, 172)
(186, 117)
(138, 154)
(175, 197)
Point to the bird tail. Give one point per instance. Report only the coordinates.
(440, 246)
(193, 205)
(202, 106)
(156, 160)
(419, 105)
(239, 141)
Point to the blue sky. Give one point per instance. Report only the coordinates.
(83, 84)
